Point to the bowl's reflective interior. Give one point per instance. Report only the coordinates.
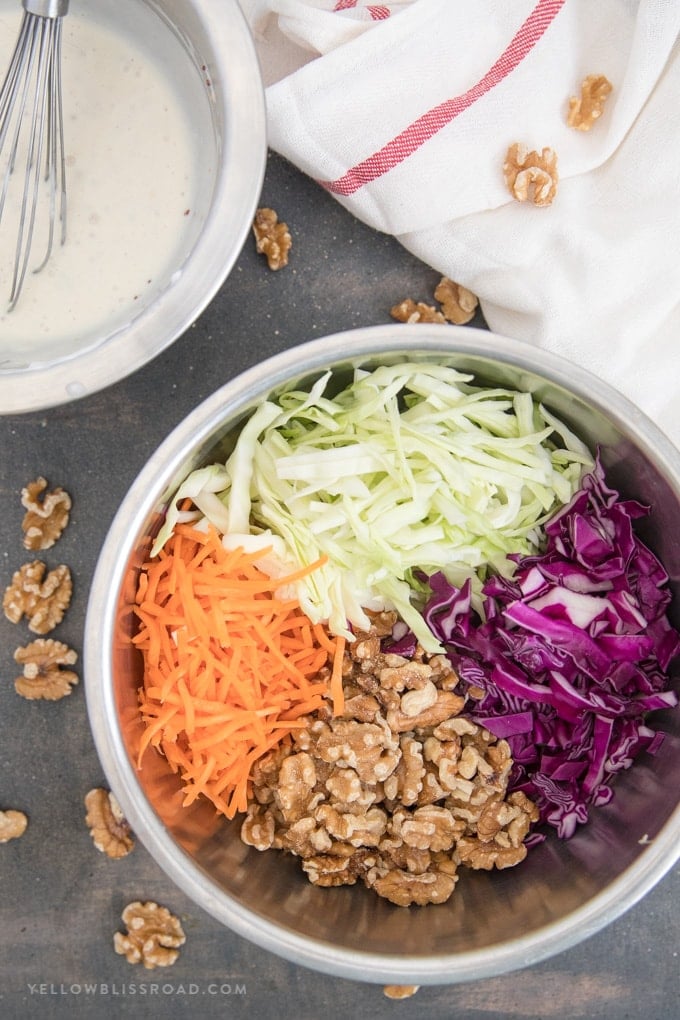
(487, 909)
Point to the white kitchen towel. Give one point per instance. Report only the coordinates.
(405, 111)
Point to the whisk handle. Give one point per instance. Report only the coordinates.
(46, 8)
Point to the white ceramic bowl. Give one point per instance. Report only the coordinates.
(208, 51)
(495, 922)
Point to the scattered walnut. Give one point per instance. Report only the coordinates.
(108, 827)
(531, 174)
(585, 111)
(42, 599)
(396, 793)
(154, 935)
(43, 676)
(458, 303)
(47, 514)
(400, 991)
(12, 825)
(272, 238)
(411, 311)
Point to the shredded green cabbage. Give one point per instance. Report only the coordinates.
(409, 468)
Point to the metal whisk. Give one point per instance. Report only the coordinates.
(31, 127)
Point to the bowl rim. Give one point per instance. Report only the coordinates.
(234, 201)
(654, 861)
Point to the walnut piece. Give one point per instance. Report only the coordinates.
(406, 782)
(457, 302)
(485, 856)
(369, 748)
(43, 676)
(12, 825)
(399, 791)
(335, 869)
(47, 514)
(272, 238)
(446, 705)
(42, 599)
(153, 937)
(430, 827)
(531, 174)
(418, 700)
(584, 111)
(108, 827)
(412, 311)
(458, 305)
(400, 991)
(258, 830)
(404, 889)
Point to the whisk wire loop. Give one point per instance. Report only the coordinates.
(31, 100)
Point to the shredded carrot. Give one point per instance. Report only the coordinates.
(231, 669)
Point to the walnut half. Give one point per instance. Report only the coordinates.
(405, 889)
(272, 238)
(400, 991)
(12, 825)
(153, 937)
(531, 174)
(458, 303)
(108, 827)
(42, 598)
(43, 676)
(584, 111)
(412, 311)
(46, 515)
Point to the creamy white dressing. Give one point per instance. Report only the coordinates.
(132, 154)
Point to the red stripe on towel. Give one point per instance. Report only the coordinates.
(378, 12)
(409, 140)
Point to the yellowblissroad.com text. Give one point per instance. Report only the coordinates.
(113, 989)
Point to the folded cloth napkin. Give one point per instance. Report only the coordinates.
(405, 112)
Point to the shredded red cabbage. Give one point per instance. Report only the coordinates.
(573, 654)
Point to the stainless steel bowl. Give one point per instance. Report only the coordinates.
(207, 47)
(565, 890)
